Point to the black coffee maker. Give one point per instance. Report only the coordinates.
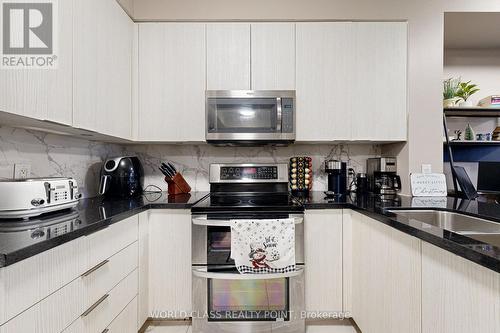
(382, 177)
(122, 177)
(337, 177)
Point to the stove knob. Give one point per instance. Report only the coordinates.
(37, 202)
(37, 234)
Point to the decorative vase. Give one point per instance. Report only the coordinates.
(450, 102)
(465, 104)
(469, 133)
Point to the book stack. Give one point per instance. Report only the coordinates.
(490, 102)
(495, 136)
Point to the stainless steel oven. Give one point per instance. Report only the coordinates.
(250, 116)
(225, 300)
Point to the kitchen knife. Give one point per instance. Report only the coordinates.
(172, 167)
(169, 168)
(163, 172)
(166, 172)
(164, 166)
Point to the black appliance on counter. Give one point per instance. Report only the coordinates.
(337, 177)
(382, 177)
(361, 183)
(122, 177)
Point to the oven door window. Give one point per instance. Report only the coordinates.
(242, 115)
(248, 300)
(219, 249)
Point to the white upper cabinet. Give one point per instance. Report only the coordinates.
(324, 68)
(102, 90)
(351, 81)
(44, 93)
(172, 82)
(228, 56)
(379, 80)
(273, 56)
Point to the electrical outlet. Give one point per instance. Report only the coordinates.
(426, 168)
(22, 171)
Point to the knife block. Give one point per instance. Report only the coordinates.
(177, 185)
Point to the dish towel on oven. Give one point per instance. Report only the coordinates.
(263, 246)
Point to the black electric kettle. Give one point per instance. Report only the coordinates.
(122, 177)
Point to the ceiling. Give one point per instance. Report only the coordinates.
(471, 30)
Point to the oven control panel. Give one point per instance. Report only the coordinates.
(248, 172)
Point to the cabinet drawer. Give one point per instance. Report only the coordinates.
(105, 243)
(29, 281)
(60, 309)
(52, 314)
(100, 315)
(126, 321)
(108, 273)
(104, 257)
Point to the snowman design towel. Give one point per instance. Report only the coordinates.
(263, 246)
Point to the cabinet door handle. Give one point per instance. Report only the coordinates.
(95, 305)
(95, 268)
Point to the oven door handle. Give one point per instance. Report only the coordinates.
(205, 221)
(202, 273)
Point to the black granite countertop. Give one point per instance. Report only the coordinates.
(21, 239)
(482, 250)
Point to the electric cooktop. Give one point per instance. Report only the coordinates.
(248, 187)
(228, 202)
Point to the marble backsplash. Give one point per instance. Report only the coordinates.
(193, 160)
(52, 155)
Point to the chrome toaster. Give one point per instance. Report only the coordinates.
(32, 197)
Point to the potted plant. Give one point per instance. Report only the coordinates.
(465, 90)
(450, 89)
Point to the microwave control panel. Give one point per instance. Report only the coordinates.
(241, 173)
(287, 109)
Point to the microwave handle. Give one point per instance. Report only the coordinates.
(279, 114)
(203, 220)
(202, 273)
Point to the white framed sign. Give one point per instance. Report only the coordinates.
(428, 185)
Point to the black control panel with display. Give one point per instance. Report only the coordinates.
(257, 173)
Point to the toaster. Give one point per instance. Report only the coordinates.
(35, 196)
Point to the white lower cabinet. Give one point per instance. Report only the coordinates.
(143, 292)
(126, 321)
(170, 263)
(81, 285)
(114, 279)
(386, 278)
(323, 260)
(97, 318)
(52, 314)
(29, 281)
(458, 296)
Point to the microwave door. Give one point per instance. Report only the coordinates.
(244, 115)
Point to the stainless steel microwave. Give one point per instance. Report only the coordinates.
(250, 117)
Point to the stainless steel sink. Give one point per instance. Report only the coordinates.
(458, 223)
